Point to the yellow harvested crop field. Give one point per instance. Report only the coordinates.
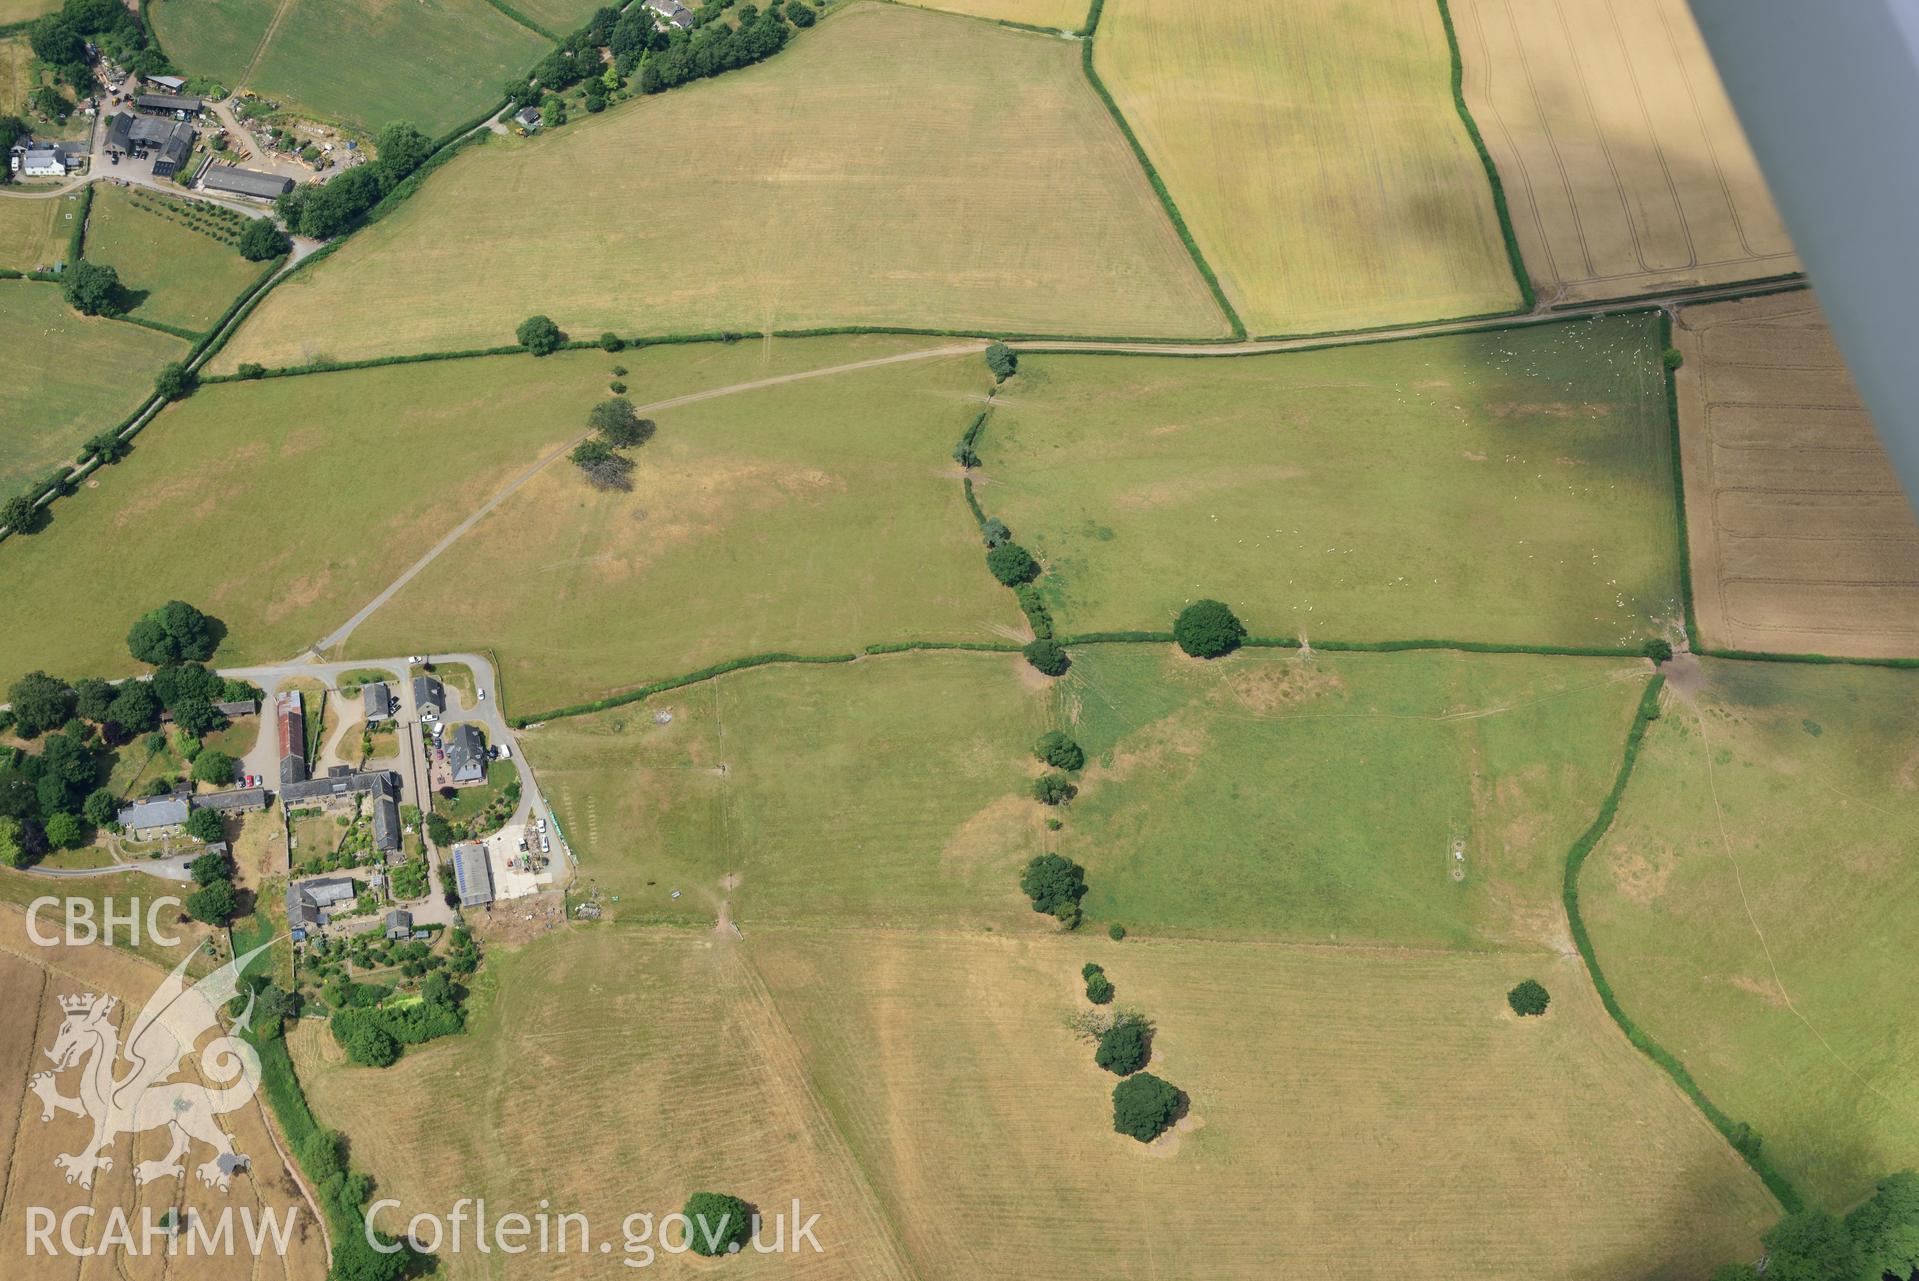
(1061, 15)
(809, 190)
(1625, 170)
(1314, 151)
(1802, 539)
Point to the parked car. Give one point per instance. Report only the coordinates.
(483, 696)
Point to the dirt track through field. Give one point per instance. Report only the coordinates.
(1801, 538)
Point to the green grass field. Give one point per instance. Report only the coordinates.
(923, 1094)
(33, 233)
(886, 791)
(283, 506)
(1322, 801)
(1512, 487)
(436, 63)
(559, 16)
(1314, 150)
(1258, 797)
(1062, 15)
(88, 374)
(814, 517)
(1750, 906)
(188, 278)
(998, 195)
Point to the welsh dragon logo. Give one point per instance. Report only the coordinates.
(128, 1090)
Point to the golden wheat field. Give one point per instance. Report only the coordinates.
(32, 979)
(1802, 539)
(926, 1094)
(1624, 167)
(1314, 150)
(809, 190)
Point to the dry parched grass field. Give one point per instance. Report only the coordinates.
(290, 503)
(1802, 539)
(1752, 909)
(894, 167)
(32, 979)
(924, 1094)
(33, 233)
(1510, 487)
(1315, 153)
(1061, 15)
(1625, 169)
(814, 517)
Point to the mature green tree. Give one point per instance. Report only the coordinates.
(176, 632)
(719, 1223)
(262, 240)
(1053, 882)
(1811, 1245)
(40, 703)
(616, 422)
(213, 903)
(92, 698)
(19, 514)
(993, 531)
(1053, 788)
(197, 715)
(205, 825)
(539, 335)
(1886, 1227)
(1529, 998)
(1735, 1272)
(364, 1040)
(1058, 749)
(213, 767)
(326, 212)
(107, 446)
(401, 149)
(1099, 988)
(1658, 649)
(93, 289)
(100, 807)
(1001, 360)
(135, 707)
(1123, 1047)
(209, 868)
(1208, 629)
(66, 831)
(1012, 564)
(176, 382)
(1046, 656)
(602, 465)
(1144, 1106)
(801, 14)
(18, 844)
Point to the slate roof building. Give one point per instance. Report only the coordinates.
(310, 903)
(169, 141)
(293, 740)
(399, 923)
(386, 822)
(529, 118)
(378, 697)
(466, 753)
(168, 102)
(341, 781)
(429, 695)
(472, 875)
(155, 814)
(236, 181)
(234, 800)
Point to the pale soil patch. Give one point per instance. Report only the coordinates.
(1314, 150)
(1801, 537)
(1624, 167)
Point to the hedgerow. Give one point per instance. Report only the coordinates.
(1736, 1133)
(1513, 255)
(1679, 487)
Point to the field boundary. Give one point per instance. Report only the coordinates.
(1087, 36)
(1671, 375)
(1517, 260)
(523, 20)
(1743, 1141)
(1757, 287)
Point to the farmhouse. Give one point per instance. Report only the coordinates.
(528, 118)
(429, 697)
(378, 698)
(166, 140)
(46, 159)
(312, 902)
(236, 181)
(473, 875)
(168, 104)
(466, 754)
(155, 814)
(342, 782)
(293, 740)
(672, 11)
